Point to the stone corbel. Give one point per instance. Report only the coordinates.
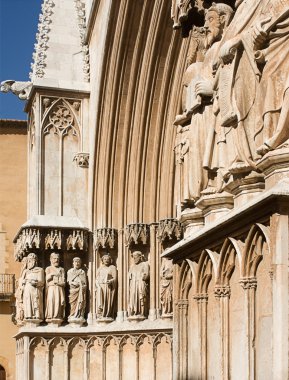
(137, 233)
(82, 159)
(105, 238)
(169, 229)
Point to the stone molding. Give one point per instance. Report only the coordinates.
(170, 229)
(105, 238)
(32, 238)
(42, 37)
(137, 233)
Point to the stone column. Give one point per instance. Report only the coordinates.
(183, 306)
(223, 293)
(121, 278)
(153, 272)
(26, 360)
(279, 249)
(202, 300)
(249, 284)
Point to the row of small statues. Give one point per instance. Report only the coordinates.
(29, 294)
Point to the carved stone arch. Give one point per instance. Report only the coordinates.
(56, 340)
(158, 339)
(108, 339)
(74, 341)
(36, 340)
(185, 281)
(141, 339)
(256, 244)
(231, 250)
(91, 341)
(207, 268)
(61, 116)
(125, 338)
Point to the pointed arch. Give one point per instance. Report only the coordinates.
(256, 245)
(207, 268)
(230, 251)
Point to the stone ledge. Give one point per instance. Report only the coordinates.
(261, 206)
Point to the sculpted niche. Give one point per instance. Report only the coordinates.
(138, 276)
(76, 279)
(106, 285)
(55, 291)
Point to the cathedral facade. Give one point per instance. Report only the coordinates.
(156, 240)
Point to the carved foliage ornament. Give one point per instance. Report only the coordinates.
(42, 37)
(82, 159)
(80, 8)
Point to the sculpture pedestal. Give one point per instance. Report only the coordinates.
(244, 187)
(32, 322)
(275, 166)
(76, 322)
(104, 320)
(192, 220)
(215, 205)
(136, 318)
(56, 322)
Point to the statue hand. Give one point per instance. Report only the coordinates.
(204, 88)
(259, 35)
(228, 50)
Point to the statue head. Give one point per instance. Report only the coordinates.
(31, 260)
(137, 257)
(217, 18)
(76, 263)
(54, 259)
(106, 259)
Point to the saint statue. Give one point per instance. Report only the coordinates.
(30, 290)
(204, 156)
(166, 283)
(138, 287)
(76, 278)
(55, 296)
(106, 282)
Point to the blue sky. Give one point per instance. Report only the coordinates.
(18, 28)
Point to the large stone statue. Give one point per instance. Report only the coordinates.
(55, 295)
(76, 278)
(166, 296)
(253, 83)
(106, 283)
(198, 107)
(138, 276)
(31, 286)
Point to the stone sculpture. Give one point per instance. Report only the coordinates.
(138, 287)
(166, 285)
(76, 278)
(30, 292)
(55, 295)
(105, 282)
(199, 112)
(21, 89)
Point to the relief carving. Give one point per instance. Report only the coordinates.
(55, 293)
(137, 233)
(76, 279)
(138, 276)
(106, 238)
(106, 287)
